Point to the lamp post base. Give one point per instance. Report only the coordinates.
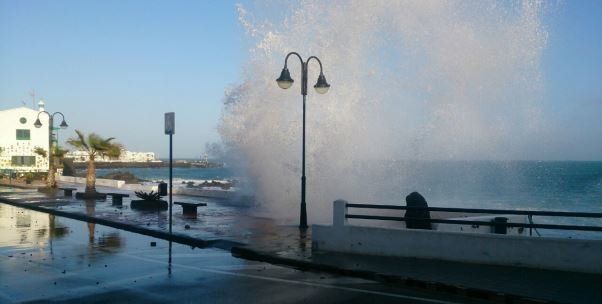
(303, 217)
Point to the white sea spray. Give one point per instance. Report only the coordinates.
(422, 80)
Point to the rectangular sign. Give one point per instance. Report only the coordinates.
(170, 123)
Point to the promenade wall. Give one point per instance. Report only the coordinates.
(139, 187)
(99, 181)
(482, 248)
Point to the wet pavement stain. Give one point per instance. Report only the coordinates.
(219, 221)
(224, 226)
(102, 264)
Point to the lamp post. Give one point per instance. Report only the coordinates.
(50, 181)
(285, 81)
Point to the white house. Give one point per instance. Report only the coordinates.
(19, 138)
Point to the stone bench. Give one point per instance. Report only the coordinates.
(68, 191)
(190, 208)
(118, 197)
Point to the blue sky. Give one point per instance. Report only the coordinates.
(572, 72)
(114, 67)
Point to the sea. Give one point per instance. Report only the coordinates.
(179, 174)
(546, 185)
(516, 185)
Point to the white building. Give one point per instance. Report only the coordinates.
(125, 157)
(19, 138)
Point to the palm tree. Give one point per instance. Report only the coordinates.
(50, 181)
(58, 154)
(94, 145)
(40, 151)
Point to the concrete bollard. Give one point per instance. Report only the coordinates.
(339, 212)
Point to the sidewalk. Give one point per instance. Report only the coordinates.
(247, 236)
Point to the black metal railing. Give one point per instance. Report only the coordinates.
(528, 213)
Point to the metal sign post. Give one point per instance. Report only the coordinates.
(170, 129)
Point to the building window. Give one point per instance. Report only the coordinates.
(23, 120)
(26, 161)
(23, 134)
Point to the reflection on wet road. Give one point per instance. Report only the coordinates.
(43, 257)
(218, 220)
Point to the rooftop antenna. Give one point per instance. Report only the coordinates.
(33, 98)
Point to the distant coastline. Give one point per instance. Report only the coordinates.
(156, 164)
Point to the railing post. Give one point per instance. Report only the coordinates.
(339, 212)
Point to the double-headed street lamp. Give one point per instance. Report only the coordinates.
(285, 81)
(50, 180)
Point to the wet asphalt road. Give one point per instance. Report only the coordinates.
(49, 259)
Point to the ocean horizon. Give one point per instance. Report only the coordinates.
(558, 185)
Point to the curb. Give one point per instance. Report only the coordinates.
(473, 293)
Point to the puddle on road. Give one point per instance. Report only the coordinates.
(219, 220)
(26, 229)
(61, 257)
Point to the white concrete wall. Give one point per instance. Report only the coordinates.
(204, 192)
(9, 123)
(99, 181)
(126, 156)
(536, 252)
(140, 187)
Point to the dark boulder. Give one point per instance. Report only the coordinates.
(126, 176)
(415, 217)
